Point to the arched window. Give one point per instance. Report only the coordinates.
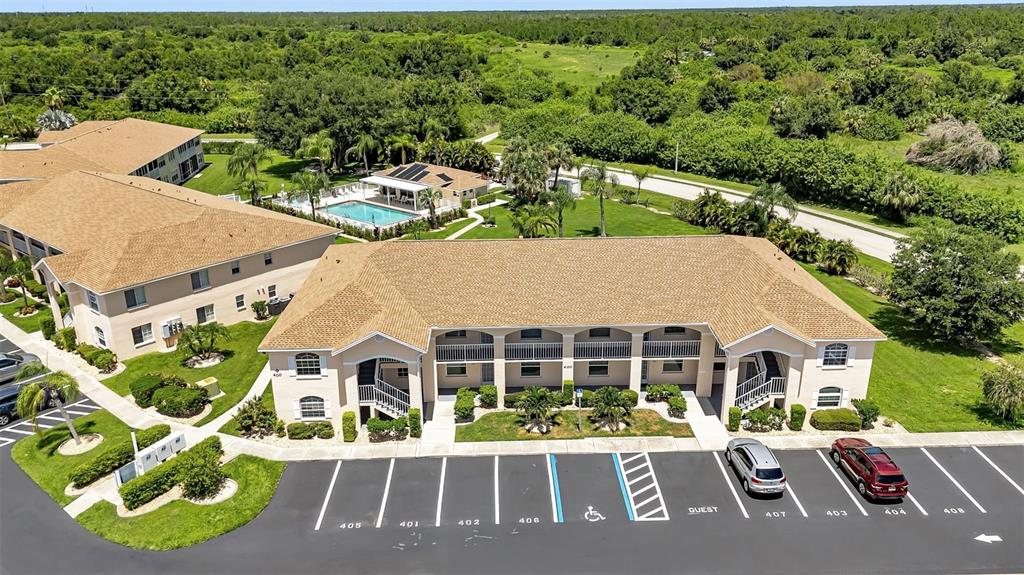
(829, 397)
(307, 364)
(836, 355)
(312, 406)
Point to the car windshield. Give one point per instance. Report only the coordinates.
(890, 479)
(769, 473)
(873, 451)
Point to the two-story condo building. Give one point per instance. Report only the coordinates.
(140, 259)
(129, 146)
(382, 327)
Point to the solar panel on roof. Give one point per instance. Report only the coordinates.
(420, 175)
(393, 173)
(445, 177)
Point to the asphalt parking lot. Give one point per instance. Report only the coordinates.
(522, 491)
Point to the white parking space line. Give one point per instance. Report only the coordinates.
(551, 484)
(18, 431)
(913, 500)
(955, 482)
(72, 412)
(44, 425)
(728, 483)
(1000, 471)
(440, 492)
(327, 498)
(842, 483)
(6, 441)
(789, 488)
(497, 508)
(52, 418)
(387, 489)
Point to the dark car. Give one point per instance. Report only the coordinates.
(8, 397)
(876, 474)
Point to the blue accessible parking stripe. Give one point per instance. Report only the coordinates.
(556, 492)
(622, 485)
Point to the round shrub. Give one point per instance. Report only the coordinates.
(631, 396)
(880, 126)
(488, 396)
(797, 415)
(142, 389)
(588, 398)
(200, 474)
(512, 398)
(348, 424)
(174, 401)
(868, 411)
(255, 419)
(735, 415)
(105, 361)
(299, 430)
(322, 429)
(416, 419)
(677, 406)
(662, 392)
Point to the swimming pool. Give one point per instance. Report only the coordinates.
(367, 213)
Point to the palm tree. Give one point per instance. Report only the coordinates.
(20, 268)
(309, 184)
(837, 257)
(561, 200)
(536, 404)
(603, 185)
(641, 173)
(433, 129)
(53, 389)
(253, 185)
(365, 145)
(610, 405)
(53, 97)
(900, 194)
(525, 169)
(319, 147)
(402, 144)
(773, 195)
(560, 157)
(416, 228)
(531, 220)
(200, 341)
(431, 196)
(245, 163)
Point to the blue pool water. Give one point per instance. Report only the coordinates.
(368, 213)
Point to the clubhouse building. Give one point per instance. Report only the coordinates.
(383, 327)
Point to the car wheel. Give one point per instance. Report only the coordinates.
(4, 419)
(728, 456)
(862, 489)
(52, 402)
(835, 457)
(746, 486)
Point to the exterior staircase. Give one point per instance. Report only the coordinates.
(763, 387)
(381, 395)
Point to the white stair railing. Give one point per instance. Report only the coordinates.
(773, 387)
(385, 396)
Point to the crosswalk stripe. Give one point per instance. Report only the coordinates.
(635, 457)
(644, 476)
(646, 501)
(642, 489)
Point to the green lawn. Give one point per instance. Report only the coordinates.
(621, 219)
(924, 384)
(214, 178)
(656, 171)
(508, 426)
(235, 374)
(343, 240)
(267, 399)
(28, 324)
(443, 232)
(38, 457)
(183, 523)
(585, 66)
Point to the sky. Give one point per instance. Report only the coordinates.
(415, 5)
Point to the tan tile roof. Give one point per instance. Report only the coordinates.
(117, 231)
(737, 285)
(119, 146)
(441, 177)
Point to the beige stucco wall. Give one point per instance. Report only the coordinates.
(852, 379)
(288, 387)
(655, 375)
(473, 377)
(550, 374)
(173, 297)
(618, 373)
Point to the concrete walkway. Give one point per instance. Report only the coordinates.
(257, 389)
(477, 218)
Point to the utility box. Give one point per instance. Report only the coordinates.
(210, 385)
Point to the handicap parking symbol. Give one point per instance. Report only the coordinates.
(593, 515)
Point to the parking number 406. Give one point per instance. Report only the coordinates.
(529, 520)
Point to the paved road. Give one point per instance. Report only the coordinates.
(572, 514)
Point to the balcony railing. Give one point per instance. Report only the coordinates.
(460, 352)
(719, 352)
(601, 349)
(672, 349)
(527, 351)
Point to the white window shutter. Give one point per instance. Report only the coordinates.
(297, 409)
(327, 408)
(291, 365)
(821, 355)
(850, 353)
(323, 366)
(846, 398)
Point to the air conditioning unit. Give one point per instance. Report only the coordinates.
(171, 327)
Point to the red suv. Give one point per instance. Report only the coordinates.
(876, 474)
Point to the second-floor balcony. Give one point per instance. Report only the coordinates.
(601, 349)
(463, 352)
(533, 351)
(672, 349)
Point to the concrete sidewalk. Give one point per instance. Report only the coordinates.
(477, 218)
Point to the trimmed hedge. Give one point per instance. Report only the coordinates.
(765, 419)
(304, 430)
(735, 415)
(662, 392)
(631, 396)
(465, 403)
(48, 327)
(416, 419)
(37, 289)
(382, 429)
(512, 398)
(116, 456)
(677, 406)
(797, 415)
(841, 419)
(66, 339)
(142, 389)
(868, 411)
(488, 397)
(175, 401)
(348, 425)
(165, 476)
